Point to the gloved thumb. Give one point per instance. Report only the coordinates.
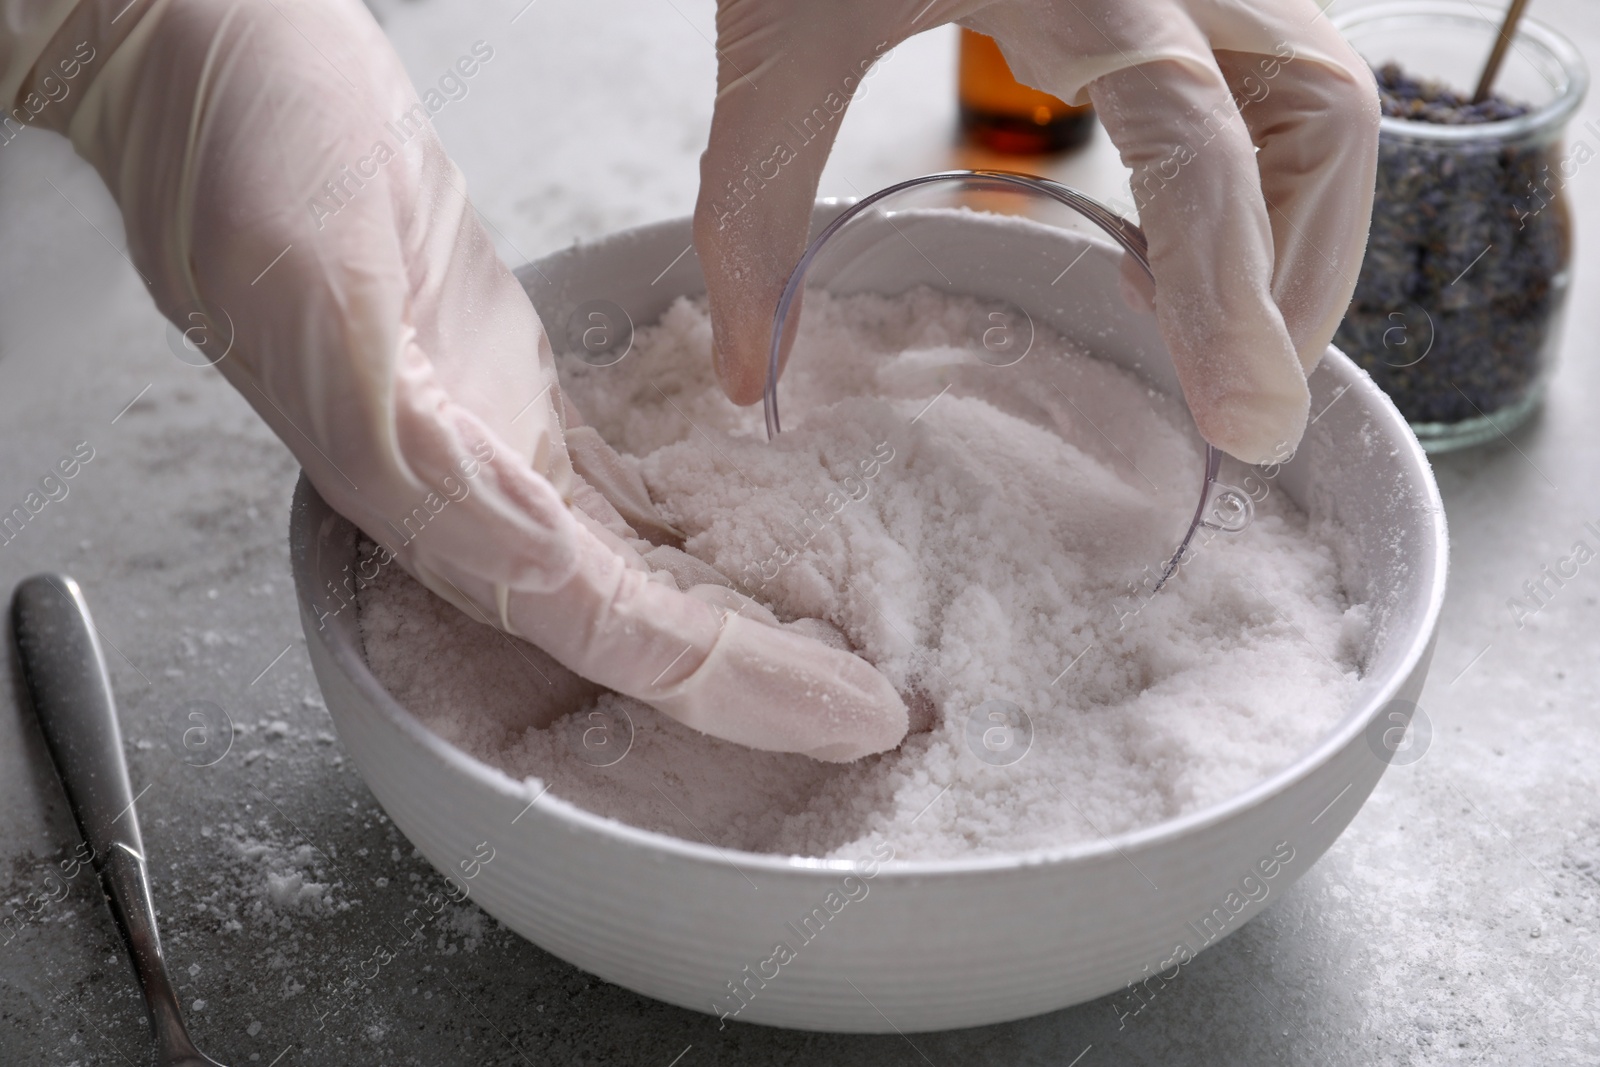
(783, 89)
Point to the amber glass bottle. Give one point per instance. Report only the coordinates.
(1003, 115)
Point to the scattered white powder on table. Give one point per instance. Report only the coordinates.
(266, 881)
(976, 549)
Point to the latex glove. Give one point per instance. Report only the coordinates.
(1256, 211)
(272, 161)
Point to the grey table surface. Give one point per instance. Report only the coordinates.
(1456, 921)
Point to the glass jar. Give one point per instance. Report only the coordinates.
(1457, 311)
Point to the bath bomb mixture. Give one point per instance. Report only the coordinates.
(986, 535)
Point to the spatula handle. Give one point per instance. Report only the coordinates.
(65, 673)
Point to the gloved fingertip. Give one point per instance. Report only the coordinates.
(737, 342)
(741, 374)
(747, 265)
(1254, 425)
(770, 688)
(742, 342)
(887, 740)
(878, 718)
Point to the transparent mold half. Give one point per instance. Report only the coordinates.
(880, 244)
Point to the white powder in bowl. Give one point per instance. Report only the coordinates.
(982, 544)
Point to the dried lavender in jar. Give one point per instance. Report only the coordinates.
(1466, 260)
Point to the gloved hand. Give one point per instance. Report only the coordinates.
(283, 190)
(1255, 253)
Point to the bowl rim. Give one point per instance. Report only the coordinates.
(308, 523)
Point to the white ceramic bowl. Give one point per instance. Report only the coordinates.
(933, 945)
